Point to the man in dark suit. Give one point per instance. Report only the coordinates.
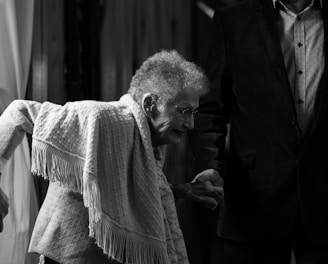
(269, 82)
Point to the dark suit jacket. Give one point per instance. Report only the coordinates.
(271, 174)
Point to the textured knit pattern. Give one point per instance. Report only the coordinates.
(62, 226)
(61, 230)
(103, 150)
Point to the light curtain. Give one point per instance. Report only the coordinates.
(16, 24)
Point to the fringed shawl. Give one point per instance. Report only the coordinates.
(103, 150)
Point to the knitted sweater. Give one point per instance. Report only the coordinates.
(103, 151)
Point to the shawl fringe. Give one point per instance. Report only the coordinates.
(54, 164)
(116, 244)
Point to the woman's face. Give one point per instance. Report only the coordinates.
(173, 119)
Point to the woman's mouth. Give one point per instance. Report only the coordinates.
(178, 132)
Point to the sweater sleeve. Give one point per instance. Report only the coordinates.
(17, 119)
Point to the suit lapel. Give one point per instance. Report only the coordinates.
(267, 24)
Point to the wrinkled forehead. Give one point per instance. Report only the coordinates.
(186, 97)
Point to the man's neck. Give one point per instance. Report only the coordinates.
(296, 6)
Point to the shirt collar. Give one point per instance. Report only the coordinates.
(275, 1)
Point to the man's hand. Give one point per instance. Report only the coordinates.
(4, 205)
(202, 192)
(205, 193)
(214, 177)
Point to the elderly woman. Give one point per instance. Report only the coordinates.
(108, 200)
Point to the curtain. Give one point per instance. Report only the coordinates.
(16, 23)
(134, 30)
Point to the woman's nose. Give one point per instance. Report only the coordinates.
(189, 122)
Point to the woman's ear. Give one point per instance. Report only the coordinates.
(147, 104)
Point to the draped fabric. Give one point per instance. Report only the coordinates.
(16, 23)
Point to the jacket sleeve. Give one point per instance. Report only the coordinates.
(209, 135)
(17, 119)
